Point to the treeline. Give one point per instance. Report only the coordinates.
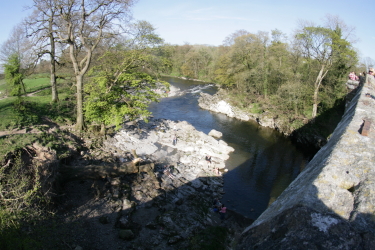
(115, 62)
(298, 77)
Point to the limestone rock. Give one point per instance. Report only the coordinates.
(215, 133)
(302, 228)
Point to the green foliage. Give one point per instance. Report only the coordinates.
(19, 189)
(119, 89)
(13, 76)
(3, 88)
(14, 238)
(256, 108)
(297, 80)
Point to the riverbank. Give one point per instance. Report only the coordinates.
(311, 134)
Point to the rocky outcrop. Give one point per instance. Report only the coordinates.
(330, 205)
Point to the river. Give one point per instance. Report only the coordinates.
(264, 162)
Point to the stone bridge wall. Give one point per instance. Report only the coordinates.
(331, 204)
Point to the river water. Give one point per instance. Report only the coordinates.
(264, 162)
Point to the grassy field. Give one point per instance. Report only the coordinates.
(32, 84)
(35, 84)
(37, 106)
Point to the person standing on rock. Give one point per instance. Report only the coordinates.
(174, 140)
(370, 79)
(222, 212)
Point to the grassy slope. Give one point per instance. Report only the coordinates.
(37, 108)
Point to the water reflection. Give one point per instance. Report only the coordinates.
(264, 161)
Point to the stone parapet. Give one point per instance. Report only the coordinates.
(336, 189)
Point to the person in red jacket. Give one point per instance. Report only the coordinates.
(222, 212)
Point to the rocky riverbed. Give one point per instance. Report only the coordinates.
(121, 196)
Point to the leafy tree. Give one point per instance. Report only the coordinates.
(14, 76)
(14, 79)
(121, 84)
(118, 89)
(323, 49)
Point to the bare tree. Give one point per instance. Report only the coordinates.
(82, 25)
(18, 44)
(41, 27)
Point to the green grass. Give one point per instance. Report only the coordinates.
(37, 107)
(31, 84)
(35, 84)
(12, 143)
(2, 88)
(256, 109)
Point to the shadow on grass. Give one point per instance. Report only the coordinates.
(33, 111)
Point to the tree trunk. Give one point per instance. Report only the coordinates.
(80, 121)
(265, 73)
(55, 97)
(102, 129)
(317, 84)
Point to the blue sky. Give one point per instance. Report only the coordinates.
(210, 21)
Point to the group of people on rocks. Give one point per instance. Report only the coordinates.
(353, 76)
(364, 77)
(219, 208)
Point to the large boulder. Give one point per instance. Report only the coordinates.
(215, 133)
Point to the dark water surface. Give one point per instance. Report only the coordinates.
(264, 162)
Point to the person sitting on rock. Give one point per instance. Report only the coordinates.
(167, 172)
(217, 172)
(216, 205)
(208, 159)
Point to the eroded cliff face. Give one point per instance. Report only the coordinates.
(331, 204)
